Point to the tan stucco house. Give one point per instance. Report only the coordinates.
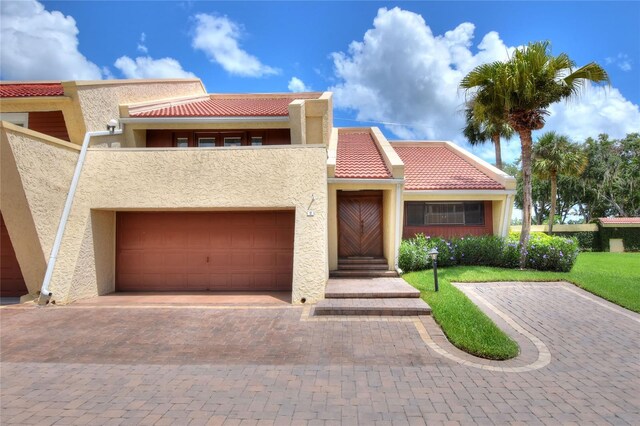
(191, 191)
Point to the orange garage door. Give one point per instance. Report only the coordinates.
(11, 281)
(198, 251)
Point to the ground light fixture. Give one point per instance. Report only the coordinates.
(433, 253)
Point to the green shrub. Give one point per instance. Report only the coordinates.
(550, 253)
(544, 252)
(587, 240)
(482, 250)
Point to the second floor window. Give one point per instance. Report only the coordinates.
(206, 142)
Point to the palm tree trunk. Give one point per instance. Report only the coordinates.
(525, 143)
(496, 143)
(554, 194)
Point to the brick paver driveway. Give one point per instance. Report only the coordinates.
(234, 365)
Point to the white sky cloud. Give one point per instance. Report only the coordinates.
(403, 73)
(218, 37)
(297, 85)
(622, 61)
(37, 44)
(141, 45)
(147, 67)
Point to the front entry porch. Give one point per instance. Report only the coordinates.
(360, 235)
(363, 238)
(372, 296)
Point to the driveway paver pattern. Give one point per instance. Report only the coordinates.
(214, 365)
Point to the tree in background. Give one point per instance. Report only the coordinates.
(540, 190)
(555, 155)
(611, 181)
(481, 127)
(524, 87)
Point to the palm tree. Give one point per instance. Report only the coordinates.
(524, 87)
(555, 155)
(484, 112)
(478, 132)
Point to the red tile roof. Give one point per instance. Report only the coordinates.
(275, 105)
(437, 167)
(620, 220)
(358, 157)
(24, 90)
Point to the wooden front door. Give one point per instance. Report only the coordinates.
(360, 224)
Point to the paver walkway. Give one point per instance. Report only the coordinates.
(274, 364)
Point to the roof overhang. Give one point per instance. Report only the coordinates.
(620, 225)
(176, 120)
(364, 181)
(461, 192)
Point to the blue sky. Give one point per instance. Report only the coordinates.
(403, 68)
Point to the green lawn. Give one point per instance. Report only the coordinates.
(613, 276)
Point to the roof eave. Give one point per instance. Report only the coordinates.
(270, 119)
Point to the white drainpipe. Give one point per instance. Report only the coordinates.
(45, 294)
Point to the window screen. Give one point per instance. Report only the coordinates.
(424, 214)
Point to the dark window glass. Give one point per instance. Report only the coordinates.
(206, 142)
(474, 213)
(233, 141)
(423, 214)
(415, 214)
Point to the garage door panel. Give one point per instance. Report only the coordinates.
(175, 238)
(241, 260)
(264, 260)
(198, 282)
(220, 282)
(264, 237)
(283, 259)
(266, 220)
(242, 238)
(284, 238)
(196, 239)
(227, 251)
(219, 260)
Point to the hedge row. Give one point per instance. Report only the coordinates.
(630, 237)
(587, 240)
(544, 252)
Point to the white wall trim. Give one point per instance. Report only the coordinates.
(17, 118)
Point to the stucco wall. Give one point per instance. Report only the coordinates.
(190, 179)
(100, 101)
(36, 174)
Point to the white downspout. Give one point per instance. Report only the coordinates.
(398, 222)
(45, 294)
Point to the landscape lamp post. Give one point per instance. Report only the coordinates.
(434, 257)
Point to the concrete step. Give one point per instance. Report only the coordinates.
(362, 260)
(369, 288)
(361, 274)
(381, 307)
(363, 266)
